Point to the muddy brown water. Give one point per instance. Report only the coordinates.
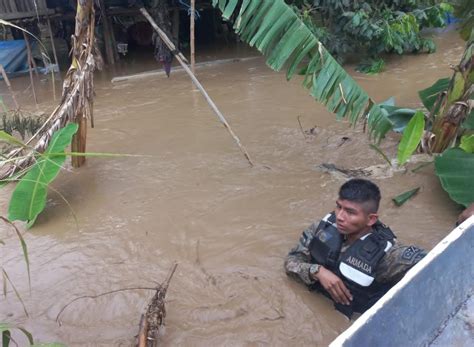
(193, 199)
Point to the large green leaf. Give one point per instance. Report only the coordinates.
(455, 169)
(29, 197)
(278, 33)
(411, 137)
(429, 95)
(399, 116)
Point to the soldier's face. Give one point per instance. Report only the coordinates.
(352, 217)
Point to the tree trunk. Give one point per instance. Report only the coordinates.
(454, 105)
(83, 45)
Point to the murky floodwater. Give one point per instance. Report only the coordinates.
(193, 199)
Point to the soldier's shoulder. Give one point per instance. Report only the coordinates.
(404, 254)
(309, 232)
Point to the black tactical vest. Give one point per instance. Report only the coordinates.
(356, 266)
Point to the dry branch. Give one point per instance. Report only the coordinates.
(155, 314)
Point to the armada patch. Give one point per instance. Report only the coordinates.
(359, 264)
(410, 252)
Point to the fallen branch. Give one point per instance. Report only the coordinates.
(95, 297)
(151, 320)
(179, 56)
(155, 314)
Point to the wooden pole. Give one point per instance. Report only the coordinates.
(30, 55)
(53, 46)
(192, 36)
(7, 81)
(176, 22)
(109, 49)
(30, 68)
(179, 56)
(78, 143)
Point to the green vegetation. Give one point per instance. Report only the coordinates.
(29, 197)
(368, 29)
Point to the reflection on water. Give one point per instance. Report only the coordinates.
(193, 199)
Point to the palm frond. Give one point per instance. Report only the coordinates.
(285, 40)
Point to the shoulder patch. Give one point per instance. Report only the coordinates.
(306, 237)
(411, 252)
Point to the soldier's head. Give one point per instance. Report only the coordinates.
(357, 206)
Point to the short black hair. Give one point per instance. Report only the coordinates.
(361, 191)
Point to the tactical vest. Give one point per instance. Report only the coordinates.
(355, 266)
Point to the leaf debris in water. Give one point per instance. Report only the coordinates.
(399, 200)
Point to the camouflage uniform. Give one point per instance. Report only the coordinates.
(391, 268)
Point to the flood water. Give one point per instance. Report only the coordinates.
(192, 198)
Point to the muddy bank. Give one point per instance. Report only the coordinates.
(193, 199)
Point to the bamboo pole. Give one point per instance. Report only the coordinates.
(192, 36)
(30, 54)
(30, 68)
(55, 58)
(7, 81)
(179, 56)
(109, 49)
(53, 46)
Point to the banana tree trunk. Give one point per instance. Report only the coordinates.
(453, 107)
(83, 44)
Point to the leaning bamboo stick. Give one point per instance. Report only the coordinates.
(7, 81)
(179, 56)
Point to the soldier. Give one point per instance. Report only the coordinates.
(350, 256)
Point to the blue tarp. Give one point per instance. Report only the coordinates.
(13, 56)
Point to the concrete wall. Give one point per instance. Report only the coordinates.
(411, 313)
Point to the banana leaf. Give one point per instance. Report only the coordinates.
(411, 137)
(279, 34)
(399, 200)
(455, 169)
(469, 122)
(429, 95)
(467, 143)
(29, 197)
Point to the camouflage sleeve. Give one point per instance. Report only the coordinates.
(298, 261)
(398, 260)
